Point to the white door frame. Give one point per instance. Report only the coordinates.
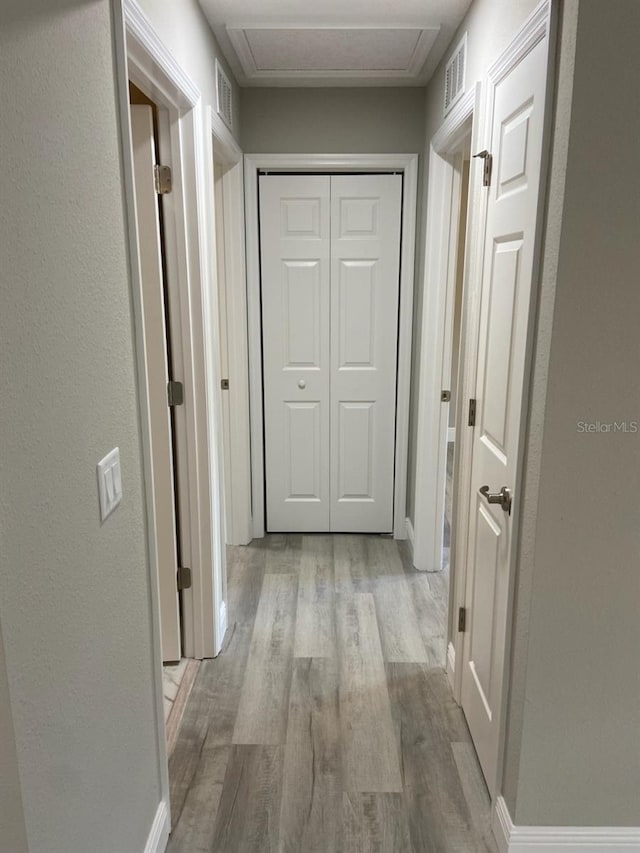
(408, 165)
(443, 216)
(238, 509)
(142, 58)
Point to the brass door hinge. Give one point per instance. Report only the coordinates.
(162, 179)
(445, 396)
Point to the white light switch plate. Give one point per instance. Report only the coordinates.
(109, 483)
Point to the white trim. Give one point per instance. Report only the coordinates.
(409, 528)
(408, 164)
(159, 835)
(439, 279)
(557, 839)
(152, 68)
(237, 33)
(222, 624)
(451, 663)
(238, 508)
(451, 435)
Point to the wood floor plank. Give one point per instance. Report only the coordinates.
(244, 583)
(262, 712)
(194, 825)
(428, 721)
(248, 812)
(350, 564)
(311, 808)
(283, 552)
(376, 823)
(399, 628)
(475, 791)
(369, 747)
(315, 616)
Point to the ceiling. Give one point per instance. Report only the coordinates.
(334, 42)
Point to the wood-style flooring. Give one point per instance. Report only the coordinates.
(327, 725)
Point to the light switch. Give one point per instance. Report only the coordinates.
(109, 483)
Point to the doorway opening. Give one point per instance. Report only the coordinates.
(320, 168)
(164, 394)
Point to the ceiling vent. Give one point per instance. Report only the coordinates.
(454, 75)
(224, 97)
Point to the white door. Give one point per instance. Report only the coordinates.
(330, 254)
(365, 281)
(149, 243)
(516, 144)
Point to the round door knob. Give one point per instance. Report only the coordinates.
(302, 384)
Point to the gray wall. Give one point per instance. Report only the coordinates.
(575, 752)
(74, 594)
(331, 121)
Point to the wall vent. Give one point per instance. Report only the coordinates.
(454, 75)
(224, 97)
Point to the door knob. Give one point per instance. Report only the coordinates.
(302, 384)
(503, 497)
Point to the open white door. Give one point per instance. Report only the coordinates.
(516, 113)
(150, 252)
(330, 251)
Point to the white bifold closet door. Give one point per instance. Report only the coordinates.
(330, 256)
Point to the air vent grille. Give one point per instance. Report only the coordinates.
(224, 97)
(454, 75)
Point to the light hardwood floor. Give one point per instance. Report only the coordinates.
(327, 724)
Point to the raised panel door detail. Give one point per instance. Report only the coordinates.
(359, 217)
(499, 344)
(355, 463)
(300, 217)
(357, 314)
(303, 450)
(483, 608)
(301, 307)
(512, 157)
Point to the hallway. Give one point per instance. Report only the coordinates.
(327, 723)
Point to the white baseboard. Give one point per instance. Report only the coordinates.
(159, 835)
(451, 659)
(222, 626)
(410, 533)
(558, 839)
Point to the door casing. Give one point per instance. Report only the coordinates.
(407, 164)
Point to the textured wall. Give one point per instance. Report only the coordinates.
(490, 26)
(329, 121)
(74, 594)
(579, 760)
(185, 31)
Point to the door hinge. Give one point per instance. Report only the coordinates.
(445, 396)
(487, 166)
(224, 384)
(472, 413)
(175, 393)
(184, 578)
(162, 179)
(462, 619)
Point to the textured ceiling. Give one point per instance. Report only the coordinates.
(334, 42)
